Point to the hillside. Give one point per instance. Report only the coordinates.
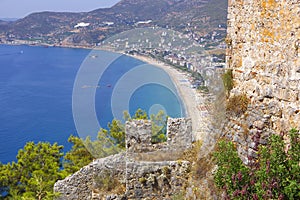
(195, 17)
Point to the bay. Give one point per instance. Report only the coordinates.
(36, 90)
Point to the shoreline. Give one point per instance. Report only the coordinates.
(164, 66)
(191, 99)
(49, 46)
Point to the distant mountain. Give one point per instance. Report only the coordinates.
(197, 17)
(9, 19)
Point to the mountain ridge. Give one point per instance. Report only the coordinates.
(195, 16)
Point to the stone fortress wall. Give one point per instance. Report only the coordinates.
(147, 170)
(264, 53)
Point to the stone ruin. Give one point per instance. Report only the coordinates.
(264, 55)
(140, 148)
(147, 171)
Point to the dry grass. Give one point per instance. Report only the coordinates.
(107, 182)
(227, 78)
(237, 105)
(200, 178)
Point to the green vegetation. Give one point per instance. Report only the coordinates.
(77, 157)
(112, 140)
(159, 127)
(117, 131)
(227, 78)
(203, 89)
(273, 175)
(197, 76)
(177, 66)
(139, 114)
(105, 145)
(40, 165)
(159, 123)
(142, 180)
(179, 196)
(200, 178)
(34, 174)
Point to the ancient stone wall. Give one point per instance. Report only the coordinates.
(81, 185)
(179, 133)
(146, 170)
(152, 170)
(264, 53)
(156, 180)
(140, 148)
(138, 136)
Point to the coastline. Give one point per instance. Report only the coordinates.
(191, 99)
(194, 102)
(48, 45)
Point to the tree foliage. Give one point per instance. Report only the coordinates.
(37, 168)
(116, 131)
(103, 146)
(140, 114)
(77, 157)
(40, 165)
(273, 175)
(159, 127)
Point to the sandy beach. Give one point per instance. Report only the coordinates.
(194, 101)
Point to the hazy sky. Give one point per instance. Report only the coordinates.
(21, 8)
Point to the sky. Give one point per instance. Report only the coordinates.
(21, 8)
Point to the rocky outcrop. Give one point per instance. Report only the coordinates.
(80, 185)
(156, 180)
(153, 171)
(147, 171)
(264, 53)
(179, 134)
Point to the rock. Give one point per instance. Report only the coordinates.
(138, 135)
(264, 56)
(259, 124)
(179, 133)
(143, 177)
(78, 186)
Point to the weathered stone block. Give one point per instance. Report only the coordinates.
(156, 179)
(143, 177)
(179, 132)
(266, 39)
(79, 186)
(138, 135)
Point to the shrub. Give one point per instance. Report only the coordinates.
(237, 105)
(232, 175)
(273, 175)
(108, 182)
(142, 180)
(178, 196)
(227, 78)
(203, 89)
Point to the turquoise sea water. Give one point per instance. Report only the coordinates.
(36, 88)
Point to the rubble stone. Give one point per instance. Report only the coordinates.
(265, 57)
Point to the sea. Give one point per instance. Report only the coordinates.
(49, 93)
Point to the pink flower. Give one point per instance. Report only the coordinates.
(255, 197)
